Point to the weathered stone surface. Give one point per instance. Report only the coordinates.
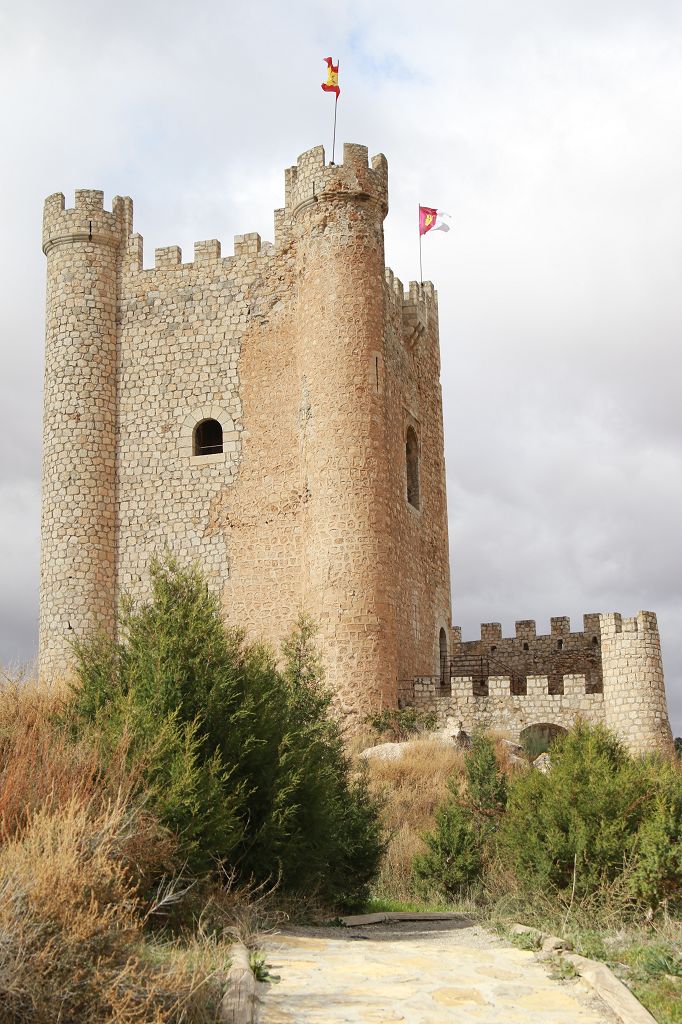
(384, 752)
(621, 684)
(417, 973)
(316, 363)
(328, 492)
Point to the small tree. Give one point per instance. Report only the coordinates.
(462, 841)
(486, 783)
(657, 871)
(244, 762)
(579, 821)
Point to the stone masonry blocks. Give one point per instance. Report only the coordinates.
(314, 360)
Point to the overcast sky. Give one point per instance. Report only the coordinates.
(550, 130)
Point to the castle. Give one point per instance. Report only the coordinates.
(276, 415)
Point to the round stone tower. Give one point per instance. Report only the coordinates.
(634, 691)
(336, 216)
(78, 579)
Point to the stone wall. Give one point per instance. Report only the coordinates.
(500, 709)
(555, 655)
(315, 362)
(634, 690)
(514, 683)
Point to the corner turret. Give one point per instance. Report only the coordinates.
(335, 217)
(84, 246)
(634, 691)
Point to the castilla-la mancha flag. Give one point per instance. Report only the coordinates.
(432, 220)
(332, 83)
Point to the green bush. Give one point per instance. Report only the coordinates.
(242, 761)
(454, 855)
(460, 844)
(657, 871)
(579, 822)
(486, 784)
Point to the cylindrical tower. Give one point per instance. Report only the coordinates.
(336, 216)
(634, 691)
(77, 574)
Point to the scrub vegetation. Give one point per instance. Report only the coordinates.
(590, 850)
(173, 798)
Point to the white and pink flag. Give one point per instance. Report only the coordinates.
(432, 220)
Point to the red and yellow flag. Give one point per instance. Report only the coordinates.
(332, 83)
(431, 219)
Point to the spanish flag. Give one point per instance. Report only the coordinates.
(432, 220)
(332, 83)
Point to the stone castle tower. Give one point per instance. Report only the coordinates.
(276, 415)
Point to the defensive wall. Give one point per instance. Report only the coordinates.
(326, 493)
(610, 672)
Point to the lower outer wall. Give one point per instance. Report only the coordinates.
(642, 722)
(510, 714)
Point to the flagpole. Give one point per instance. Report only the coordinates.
(336, 103)
(419, 229)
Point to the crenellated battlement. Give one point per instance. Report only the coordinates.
(417, 306)
(312, 179)
(87, 220)
(644, 624)
(206, 252)
(526, 630)
(499, 706)
(609, 672)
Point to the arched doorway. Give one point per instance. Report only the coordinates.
(538, 738)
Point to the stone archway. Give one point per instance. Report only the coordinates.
(537, 738)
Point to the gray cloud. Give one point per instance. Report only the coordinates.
(550, 132)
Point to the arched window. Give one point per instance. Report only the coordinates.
(412, 464)
(443, 653)
(208, 438)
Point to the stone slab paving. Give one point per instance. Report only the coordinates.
(421, 973)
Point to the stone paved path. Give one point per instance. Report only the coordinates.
(416, 974)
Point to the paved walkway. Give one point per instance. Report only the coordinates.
(426, 973)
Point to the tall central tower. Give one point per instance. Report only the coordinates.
(337, 215)
(316, 377)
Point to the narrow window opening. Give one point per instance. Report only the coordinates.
(208, 438)
(595, 642)
(560, 645)
(412, 461)
(443, 654)
(376, 370)
(493, 648)
(525, 646)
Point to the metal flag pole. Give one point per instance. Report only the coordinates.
(419, 229)
(336, 103)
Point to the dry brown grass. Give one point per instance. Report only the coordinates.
(78, 850)
(71, 929)
(411, 790)
(43, 768)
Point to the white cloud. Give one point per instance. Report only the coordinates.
(551, 133)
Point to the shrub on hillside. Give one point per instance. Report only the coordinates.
(657, 861)
(459, 845)
(410, 790)
(43, 768)
(243, 762)
(597, 810)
